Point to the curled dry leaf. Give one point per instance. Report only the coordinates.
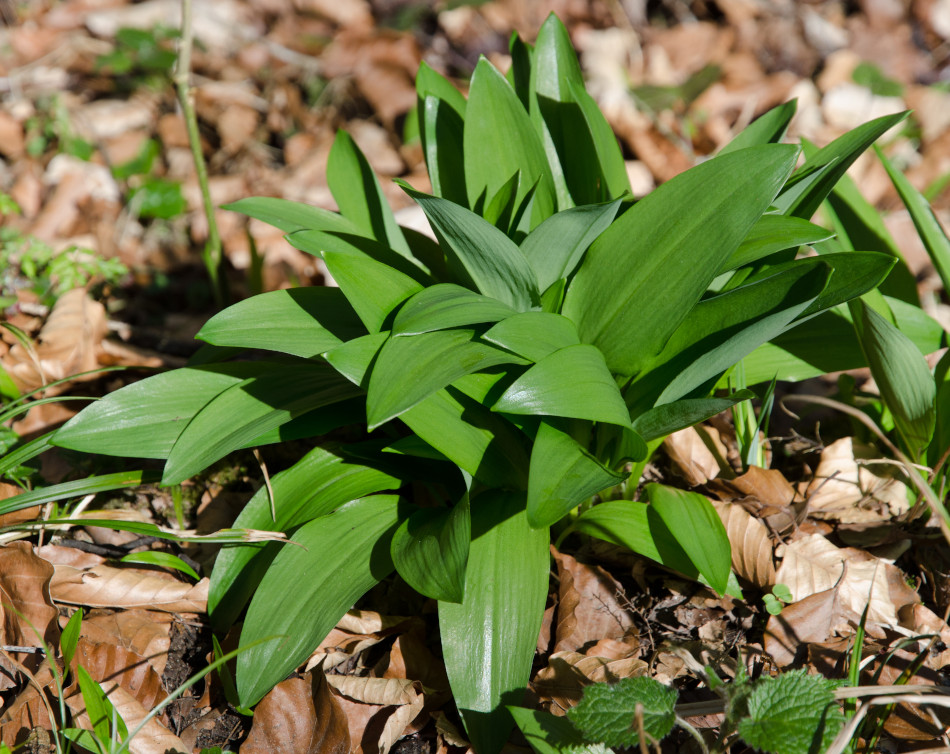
(379, 711)
(689, 455)
(589, 607)
(27, 613)
(105, 586)
(154, 738)
(567, 673)
(356, 631)
(766, 494)
(751, 544)
(299, 716)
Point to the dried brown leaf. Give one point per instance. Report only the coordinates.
(105, 586)
(690, 456)
(112, 664)
(567, 673)
(811, 620)
(27, 711)
(145, 632)
(751, 544)
(403, 695)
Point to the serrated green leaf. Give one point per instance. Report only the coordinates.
(337, 558)
(794, 713)
(770, 128)
(299, 321)
(607, 711)
(547, 734)
(430, 550)
(533, 335)
(446, 305)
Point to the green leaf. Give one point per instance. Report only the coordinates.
(533, 335)
(774, 233)
(100, 710)
(373, 289)
(794, 713)
(249, 409)
(548, 734)
(697, 529)
(78, 488)
(446, 305)
(317, 484)
(144, 420)
(430, 550)
(337, 558)
(931, 232)
(556, 246)
(767, 129)
(300, 321)
(353, 358)
(292, 216)
(489, 640)
(479, 255)
(672, 417)
(901, 374)
(359, 196)
(500, 141)
(442, 118)
(666, 249)
(410, 368)
(70, 636)
(562, 475)
(571, 382)
(607, 711)
(317, 242)
(162, 560)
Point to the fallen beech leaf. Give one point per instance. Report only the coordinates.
(145, 632)
(812, 620)
(908, 722)
(112, 664)
(588, 605)
(567, 673)
(105, 586)
(27, 711)
(401, 693)
(28, 616)
(751, 544)
(154, 738)
(766, 494)
(299, 716)
(690, 456)
(25, 514)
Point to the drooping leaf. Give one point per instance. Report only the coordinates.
(608, 710)
(430, 550)
(292, 216)
(533, 335)
(317, 484)
(317, 242)
(489, 640)
(446, 305)
(300, 321)
(672, 417)
(562, 475)
(767, 129)
(572, 382)
(642, 275)
(337, 558)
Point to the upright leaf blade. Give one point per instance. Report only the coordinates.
(442, 118)
(767, 129)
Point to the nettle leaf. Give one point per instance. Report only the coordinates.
(479, 254)
(359, 196)
(499, 141)
(773, 233)
(489, 640)
(317, 484)
(667, 418)
(337, 558)
(556, 246)
(446, 305)
(794, 713)
(430, 550)
(302, 322)
(641, 277)
(548, 734)
(292, 216)
(410, 368)
(572, 382)
(533, 335)
(373, 289)
(562, 475)
(145, 419)
(606, 712)
(770, 128)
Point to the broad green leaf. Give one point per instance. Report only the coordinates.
(353, 358)
(446, 305)
(372, 288)
(292, 216)
(78, 488)
(923, 330)
(484, 444)
(300, 321)
(430, 550)
(562, 476)
(519, 73)
(478, 254)
(672, 417)
(317, 484)
(698, 530)
(607, 711)
(556, 246)
(931, 232)
(249, 409)
(317, 242)
(442, 118)
(548, 734)
(489, 640)
(499, 141)
(774, 233)
(813, 181)
(793, 713)
(337, 558)
(901, 374)
(941, 439)
(572, 382)
(770, 128)
(642, 275)
(410, 368)
(533, 335)
(359, 196)
(498, 209)
(144, 419)
(102, 714)
(70, 637)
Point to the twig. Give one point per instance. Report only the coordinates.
(212, 252)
